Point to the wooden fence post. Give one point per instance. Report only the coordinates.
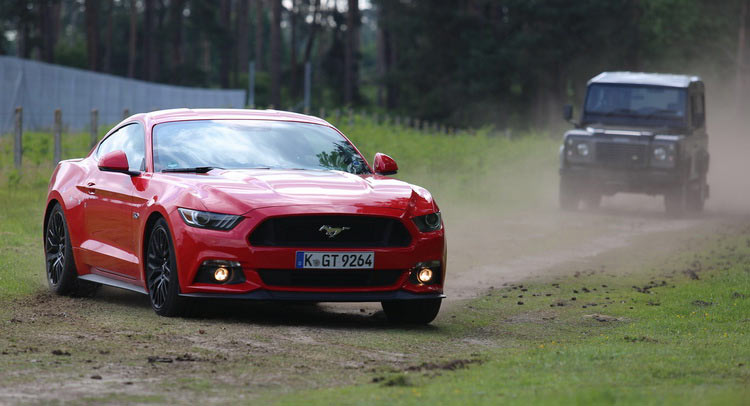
(94, 127)
(125, 114)
(322, 113)
(18, 145)
(351, 117)
(57, 129)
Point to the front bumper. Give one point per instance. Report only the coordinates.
(271, 295)
(612, 180)
(194, 246)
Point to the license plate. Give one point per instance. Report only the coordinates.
(334, 260)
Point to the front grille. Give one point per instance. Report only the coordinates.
(305, 231)
(620, 154)
(329, 278)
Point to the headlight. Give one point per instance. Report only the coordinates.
(583, 149)
(660, 153)
(212, 221)
(663, 155)
(429, 222)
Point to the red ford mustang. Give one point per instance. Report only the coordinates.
(242, 204)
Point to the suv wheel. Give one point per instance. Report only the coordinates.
(675, 199)
(696, 195)
(568, 194)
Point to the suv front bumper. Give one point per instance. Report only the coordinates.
(614, 180)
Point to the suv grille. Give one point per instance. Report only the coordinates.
(328, 278)
(619, 154)
(305, 231)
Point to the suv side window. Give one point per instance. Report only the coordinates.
(698, 110)
(129, 139)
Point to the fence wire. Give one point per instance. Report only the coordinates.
(40, 88)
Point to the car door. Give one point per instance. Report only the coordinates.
(108, 213)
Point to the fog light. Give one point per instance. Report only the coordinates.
(220, 271)
(424, 275)
(221, 274)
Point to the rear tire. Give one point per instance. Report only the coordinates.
(161, 273)
(420, 311)
(568, 195)
(696, 196)
(62, 275)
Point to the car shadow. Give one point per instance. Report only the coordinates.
(279, 313)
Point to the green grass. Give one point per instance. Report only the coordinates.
(684, 343)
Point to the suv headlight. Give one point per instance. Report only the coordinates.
(582, 149)
(208, 220)
(577, 150)
(660, 153)
(429, 222)
(663, 155)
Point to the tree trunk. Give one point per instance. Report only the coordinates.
(276, 54)
(741, 59)
(293, 50)
(382, 55)
(351, 55)
(176, 7)
(225, 12)
(149, 59)
(92, 33)
(107, 67)
(243, 37)
(313, 31)
(49, 25)
(132, 36)
(259, 35)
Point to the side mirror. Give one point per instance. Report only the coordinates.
(116, 161)
(384, 165)
(568, 112)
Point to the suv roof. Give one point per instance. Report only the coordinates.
(640, 78)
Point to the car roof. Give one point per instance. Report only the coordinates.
(163, 116)
(642, 78)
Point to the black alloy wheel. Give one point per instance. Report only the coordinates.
(55, 248)
(62, 275)
(161, 272)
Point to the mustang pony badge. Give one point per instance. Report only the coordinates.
(332, 231)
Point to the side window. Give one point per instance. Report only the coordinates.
(130, 140)
(135, 148)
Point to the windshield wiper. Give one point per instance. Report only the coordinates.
(196, 169)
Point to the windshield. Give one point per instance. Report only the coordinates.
(245, 144)
(636, 101)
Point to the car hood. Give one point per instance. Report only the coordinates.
(241, 191)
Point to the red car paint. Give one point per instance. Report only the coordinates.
(108, 214)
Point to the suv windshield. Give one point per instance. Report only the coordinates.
(245, 144)
(651, 102)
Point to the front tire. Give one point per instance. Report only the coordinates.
(568, 195)
(420, 311)
(675, 200)
(161, 273)
(62, 275)
(696, 196)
